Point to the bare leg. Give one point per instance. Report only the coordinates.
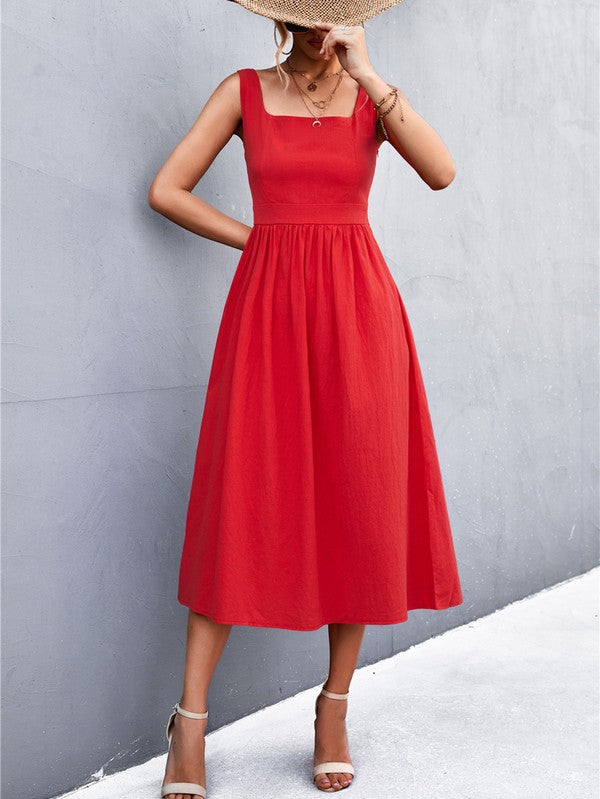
(205, 643)
(331, 741)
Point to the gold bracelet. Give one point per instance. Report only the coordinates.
(387, 111)
(394, 90)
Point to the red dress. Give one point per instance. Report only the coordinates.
(316, 495)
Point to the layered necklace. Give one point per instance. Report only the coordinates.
(312, 86)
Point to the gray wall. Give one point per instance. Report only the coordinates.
(111, 314)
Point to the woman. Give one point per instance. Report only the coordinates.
(316, 496)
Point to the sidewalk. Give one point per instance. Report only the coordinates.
(503, 707)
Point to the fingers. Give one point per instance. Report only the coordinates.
(329, 43)
(337, 34)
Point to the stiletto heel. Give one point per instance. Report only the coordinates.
(332, 766)
(192, 788)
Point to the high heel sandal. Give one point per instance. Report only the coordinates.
(333, 766)
(192, 788)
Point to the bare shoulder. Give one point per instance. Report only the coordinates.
(225, 102)
(228, 90)
(268, 74)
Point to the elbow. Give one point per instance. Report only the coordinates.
(160, 195)
(444, 178)
(154, 198)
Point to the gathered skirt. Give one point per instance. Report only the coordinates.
(316, 495)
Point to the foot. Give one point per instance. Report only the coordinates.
(331, 741)
(185, 762)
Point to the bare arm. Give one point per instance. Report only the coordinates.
(414, 139)
(170, 193)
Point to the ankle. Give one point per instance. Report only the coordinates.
(340, 688)
(194, 704)
(330, 708)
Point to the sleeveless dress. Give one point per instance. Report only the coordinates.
(316, 495)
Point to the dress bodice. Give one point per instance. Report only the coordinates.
(300, 172)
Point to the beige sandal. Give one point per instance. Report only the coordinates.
(332, 766)
(192, 788)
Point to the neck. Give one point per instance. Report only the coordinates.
(311, 68)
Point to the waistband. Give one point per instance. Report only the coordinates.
(310, 213)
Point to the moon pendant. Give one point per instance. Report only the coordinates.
(316, 123)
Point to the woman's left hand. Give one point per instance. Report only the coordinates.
(349, 44)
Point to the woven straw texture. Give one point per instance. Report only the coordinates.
(339, 12)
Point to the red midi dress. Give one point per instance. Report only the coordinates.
(316, 495)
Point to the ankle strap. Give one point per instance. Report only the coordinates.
(331, 695)
(189, 713)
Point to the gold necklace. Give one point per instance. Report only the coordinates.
(312, 86)
(322, 104)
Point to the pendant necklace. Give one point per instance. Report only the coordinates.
(313, 82)
(322, 104)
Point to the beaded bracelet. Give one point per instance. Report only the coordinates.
(394, 91)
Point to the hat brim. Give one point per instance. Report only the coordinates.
(338, 12)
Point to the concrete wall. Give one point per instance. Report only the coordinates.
(111, 313)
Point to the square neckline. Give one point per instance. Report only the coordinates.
(295, 116)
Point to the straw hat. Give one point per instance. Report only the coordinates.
(307, 12)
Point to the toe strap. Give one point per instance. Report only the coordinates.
(183, 787)
(333, 766)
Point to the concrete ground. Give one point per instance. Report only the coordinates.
(503, 707)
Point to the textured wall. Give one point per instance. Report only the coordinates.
(111, 312)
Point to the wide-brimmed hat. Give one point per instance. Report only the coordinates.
(307, 12)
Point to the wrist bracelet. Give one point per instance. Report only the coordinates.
(394, 90)
(387, 111)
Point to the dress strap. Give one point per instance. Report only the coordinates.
(364, 105)
(366, 116)
(248, 97)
